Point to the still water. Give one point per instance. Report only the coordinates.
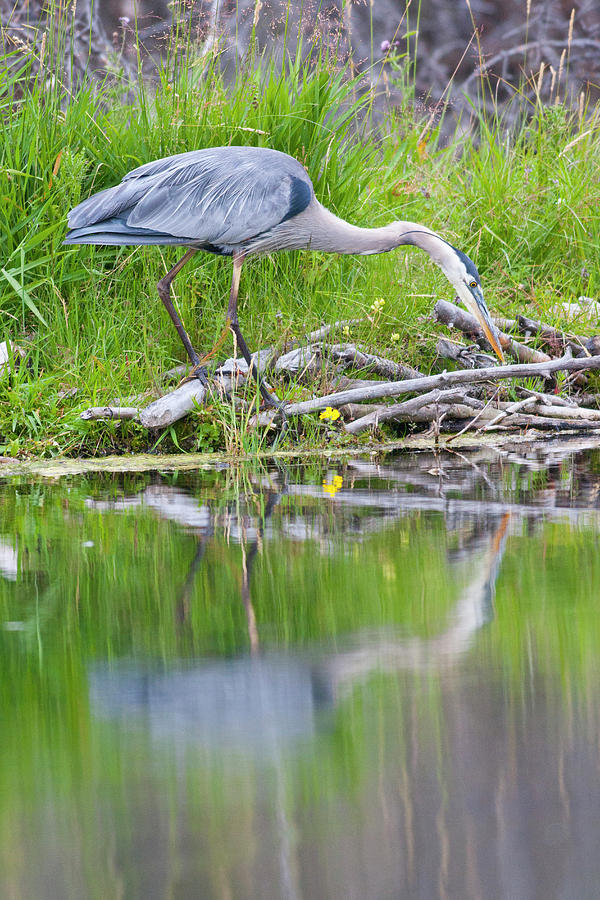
(372, 679)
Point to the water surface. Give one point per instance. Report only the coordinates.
(375, 679)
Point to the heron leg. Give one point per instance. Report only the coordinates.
(232, 322)
(164, 292)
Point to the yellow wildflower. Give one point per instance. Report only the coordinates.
(334, 487)
(395, 337)
(377, 305)
(329, 413)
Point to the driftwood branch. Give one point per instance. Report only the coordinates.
(174, 405)
(401, 411)
(443, 404)
(547, 399)
(352, 411)
(553, 423)
(359, 359)
(453, 316)
(467, 357)
(487, 420)
(566, 412)
(554, 338)
(298, 362)
(110, 412)
(511, 409)
(445, 380)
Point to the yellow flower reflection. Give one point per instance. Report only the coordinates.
(334, 487)
(329, 413)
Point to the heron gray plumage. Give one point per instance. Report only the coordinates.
(243, 201)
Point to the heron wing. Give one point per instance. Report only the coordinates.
(222, 196)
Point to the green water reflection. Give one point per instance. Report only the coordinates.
(362, 680)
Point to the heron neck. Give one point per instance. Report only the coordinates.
(330, 233)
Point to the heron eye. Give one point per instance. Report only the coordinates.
(473, 284)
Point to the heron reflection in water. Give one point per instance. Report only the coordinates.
(258, 700)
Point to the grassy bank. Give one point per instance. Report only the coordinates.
(523, 203)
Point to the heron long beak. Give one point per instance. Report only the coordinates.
(476, 306)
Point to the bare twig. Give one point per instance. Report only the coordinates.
(110, 412)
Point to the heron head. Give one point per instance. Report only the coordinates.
(462, 273)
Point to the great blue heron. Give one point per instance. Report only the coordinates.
(242, 201)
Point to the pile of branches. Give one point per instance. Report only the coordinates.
(480, 395)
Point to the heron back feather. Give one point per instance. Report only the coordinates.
(220, 196)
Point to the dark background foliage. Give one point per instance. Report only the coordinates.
(512, 37)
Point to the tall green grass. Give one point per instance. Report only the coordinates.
(524, 202)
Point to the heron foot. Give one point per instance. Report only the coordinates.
(200, 372)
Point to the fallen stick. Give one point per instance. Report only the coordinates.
(484, 413)
(456, 412)
(566, 412)
(503, 324)
(382, 389)
(299, 361)
(544, 422)
(556, 339)
(466, 356)
(546, 399)
(174, 405)
(358, 359)
(343, 383)
(401, 410)
(110, 412)
(265, 359)
(352, 411)
(453, 316)
(510, 409)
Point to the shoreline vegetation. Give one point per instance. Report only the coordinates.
(516, 187)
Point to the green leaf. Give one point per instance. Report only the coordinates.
(24, 295)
